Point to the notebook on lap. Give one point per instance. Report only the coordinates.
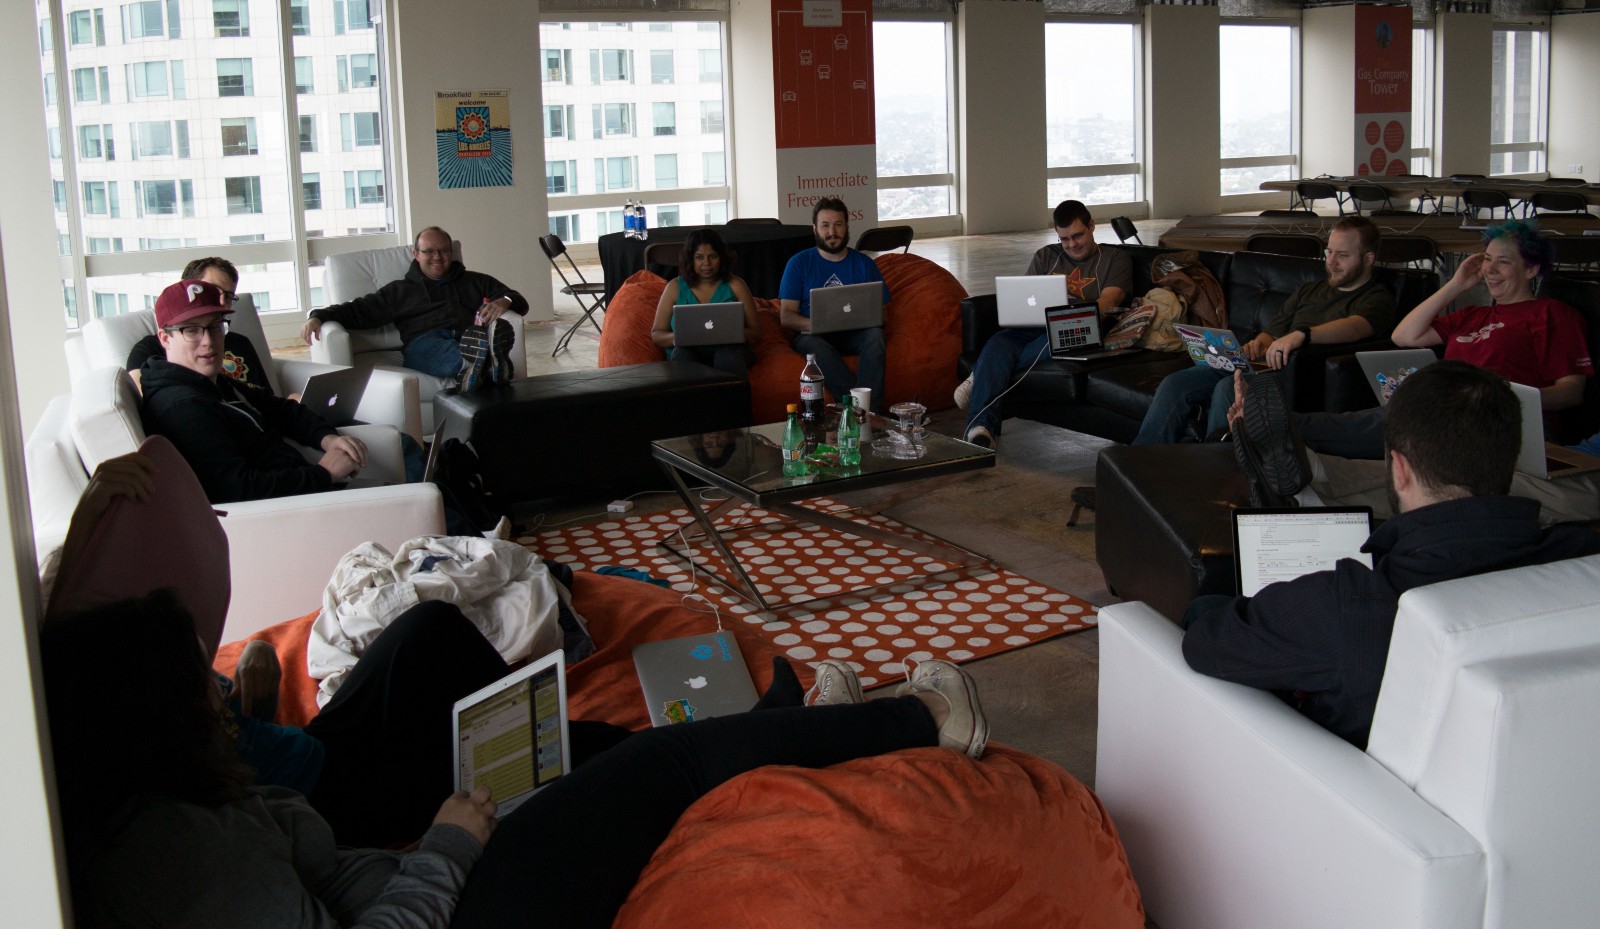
(1385, 370)
(853, 306)
(1272, 545)
(1538, 457)
(1073, 333)
(708, 323)
(512, 735)
(695, 677)
(335, 395)
(1021, 301)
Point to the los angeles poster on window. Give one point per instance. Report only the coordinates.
(474, 135)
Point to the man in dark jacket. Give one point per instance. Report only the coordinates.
(230, 432)
(443, 311)
(1321, 641)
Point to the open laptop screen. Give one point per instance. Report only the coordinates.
(1272, 545)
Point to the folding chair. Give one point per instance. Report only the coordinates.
(1576, 256)
(1490, 200)
(1307, 193)
(1413, 251)
(1287, 214)
(1368, 197)
(1550, 201)
(1125, 230)
(663, 255)
(596, 292)
(885, 239)
(1302, 246)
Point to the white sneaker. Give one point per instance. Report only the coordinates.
(501, 531)
(964, 393)
(836, 683)
(980, 435)
(965, 729)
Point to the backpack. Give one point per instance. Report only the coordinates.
(1183, 274)
(1164, 308)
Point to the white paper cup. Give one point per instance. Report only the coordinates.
(861, 397)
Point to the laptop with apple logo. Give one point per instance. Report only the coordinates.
(695, 677)
(336, 395)
(1021, 301)
(708, 324)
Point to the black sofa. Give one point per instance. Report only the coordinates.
(1109, 397)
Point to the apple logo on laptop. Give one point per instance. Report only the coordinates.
(696, 682)
(1032, 300)
(847, 308)
(332, 400)
(710, 324)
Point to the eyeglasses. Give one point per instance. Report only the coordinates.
(191, 334)
(430, 252)
(228, 297)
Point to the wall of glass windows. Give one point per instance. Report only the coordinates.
(1259, 90)
(1520, 74)
(189, 127)
(912, 85)
(633, 110)
(1092, 126)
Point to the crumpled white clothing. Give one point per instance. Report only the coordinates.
(504, 589)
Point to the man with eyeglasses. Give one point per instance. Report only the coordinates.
(444, 312)
(1348, 307)
(230, 432)
(240, 360)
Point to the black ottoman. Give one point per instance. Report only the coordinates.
(1162, 529)
(574, 431)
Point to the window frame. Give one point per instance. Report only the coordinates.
(949, 222)
(1538, 109)
(1291, 160)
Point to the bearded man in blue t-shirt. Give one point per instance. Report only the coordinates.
(833, 264)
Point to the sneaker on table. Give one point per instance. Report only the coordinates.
(500, 368)
(476, 360)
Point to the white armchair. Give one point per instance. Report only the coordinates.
(1472, 807)
(282, 551)
(356, 274)
(391, 395)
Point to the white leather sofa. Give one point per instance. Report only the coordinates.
(1474, 806)
(391, 396)
(356, 274)
(281, 551)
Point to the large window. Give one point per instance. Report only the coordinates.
(911, 75)
(1520, 78)
(1092, 126)
(194, 171)
(1258, 90)
(1421, 100)
(642, 111)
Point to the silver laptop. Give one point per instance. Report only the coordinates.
(696, 677)
(1271, 545)
(1215, 348)
(512, 735)
(335, 395)
(708, 324)
(1073, 333)
(1538, 457)
(852, 306)
(1386, 370)
(1021, 301)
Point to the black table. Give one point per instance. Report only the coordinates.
(760, 253)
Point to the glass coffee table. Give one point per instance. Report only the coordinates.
(747, 465)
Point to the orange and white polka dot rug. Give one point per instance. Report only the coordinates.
(971, 616)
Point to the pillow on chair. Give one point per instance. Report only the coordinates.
(105, 416)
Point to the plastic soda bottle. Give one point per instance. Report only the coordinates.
(849, 435)
(794, 445)
(641, 222)
(813, 407)
(630, 221)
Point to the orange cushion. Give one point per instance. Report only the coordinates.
(630, 314)
(917, 837)
(297, 695)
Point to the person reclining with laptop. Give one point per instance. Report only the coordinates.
(444, 312)
(833, 264)
(705, 275)
(1538, 342)
(1320, 641)
(1094, 275)
(1347, 307)
(179, 837)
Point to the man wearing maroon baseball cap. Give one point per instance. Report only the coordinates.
(230, 432)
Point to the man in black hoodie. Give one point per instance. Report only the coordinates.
(232, 433)
(443, 311)
(1451, 433)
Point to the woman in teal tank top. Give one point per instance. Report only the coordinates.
(705, 276)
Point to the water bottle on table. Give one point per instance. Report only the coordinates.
(641, 222)
(630, 222)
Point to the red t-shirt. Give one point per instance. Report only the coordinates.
(1536, 342)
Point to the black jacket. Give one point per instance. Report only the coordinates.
(232, 434)
(418, 304)
(1322, 640)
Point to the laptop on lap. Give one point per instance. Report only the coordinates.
(1272, 545)
(708, 324)
(1386, 370)
(1073, 333)
(512, 736)
(1021, 301)
(1540, 458)
(853, 306)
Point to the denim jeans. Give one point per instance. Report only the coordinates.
(436, 352)
(1008, 353)
(830, 349)
(1180, 394)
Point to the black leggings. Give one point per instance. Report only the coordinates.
(570, 856)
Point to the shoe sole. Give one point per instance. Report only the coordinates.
(1261, 495)
(1273, 445)
(501, 371)
(474, 357)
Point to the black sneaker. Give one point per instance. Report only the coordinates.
(500, 370)
(1268, 447)
(475, 358)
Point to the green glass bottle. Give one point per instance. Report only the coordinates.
(849, 435)
(794, 445)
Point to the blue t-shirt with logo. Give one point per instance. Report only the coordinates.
(808, 270)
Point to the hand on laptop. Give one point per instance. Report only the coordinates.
(474, 813)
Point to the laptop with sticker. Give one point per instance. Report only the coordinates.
(1385, 371)
(1021, 301)
(1272, 545)
(1218, 349)
(852, 306)
(512, 736)
(335, 395)
(708, 324)
(695, 677)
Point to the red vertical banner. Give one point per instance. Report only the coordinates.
(825, 127)
(1383, 89)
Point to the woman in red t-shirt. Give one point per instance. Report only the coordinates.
(1534, 341)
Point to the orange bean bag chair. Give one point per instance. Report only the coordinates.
(922, 329)
(922, 837)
